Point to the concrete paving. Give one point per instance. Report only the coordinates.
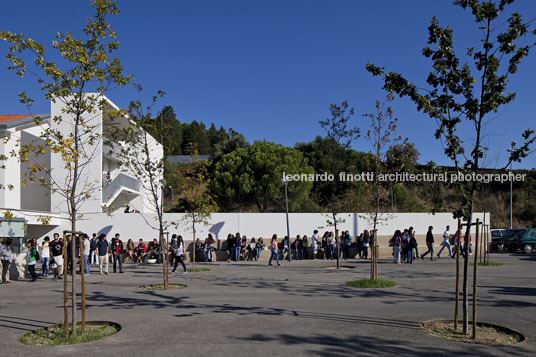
(250, 309)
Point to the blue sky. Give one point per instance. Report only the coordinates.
(270, 69)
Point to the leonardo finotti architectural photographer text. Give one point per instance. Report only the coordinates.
(407, 177)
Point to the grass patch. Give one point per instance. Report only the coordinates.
(161, 287)
(55, 336)
(488, 264)
(486, 334)
(197, 270)
(371, 283)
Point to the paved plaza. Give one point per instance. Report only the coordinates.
(251, 309)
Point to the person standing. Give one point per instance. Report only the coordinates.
(297, 248)
(103, 249)
(32, 259)
(237, 246)
(258, 249)
(93, 249)
(86, 250)
(365, 244)
(286, 249)
(275, 250)
(179, 255)
(117, 252)
(314, 243)
(56, 248)
(230, 247)
(446, 243)
(44, 250)
(6, 255)
(429, 244)
(397, 244)
(305, 247)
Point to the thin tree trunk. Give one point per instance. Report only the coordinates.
(83, 283)
(193, 244)
(73, 282)
(465, 272)
(457, 299)
(475, 279)
(65, 289)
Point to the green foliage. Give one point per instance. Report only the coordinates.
(459, 92)
(402, 157)
(371, 283)
(56, 336)
(253, 175)
(84, 64)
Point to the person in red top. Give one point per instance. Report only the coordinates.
(117, 252)
(139, 252)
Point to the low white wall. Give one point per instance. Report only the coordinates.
(136, 225)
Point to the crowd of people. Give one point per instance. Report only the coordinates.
(98, 250)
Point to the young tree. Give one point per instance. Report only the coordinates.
(383, 128)
(339, 131)
(143, 157)
(85, 65)
(460, 94)
(196, 199)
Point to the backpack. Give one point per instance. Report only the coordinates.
(93, 245)
(398, 241)
(37, 257)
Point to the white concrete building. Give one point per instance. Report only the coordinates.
(113, 186)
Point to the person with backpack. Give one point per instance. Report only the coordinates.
(413, 245)
(429, 244)
(104, 249)
(397, 245)
(93, 249)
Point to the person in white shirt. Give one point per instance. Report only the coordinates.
(7, 257)
(87, 250)
(446, 243)
(314, 243)
(44, 251)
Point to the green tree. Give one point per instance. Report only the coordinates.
(196, 199)
(402, 157)
(459, 93)
(195, 133)
(254, 175)
(85, 64)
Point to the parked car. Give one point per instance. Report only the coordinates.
(524, 239)
(499, 236)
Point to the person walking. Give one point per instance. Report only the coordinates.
(6, 255)
(429, 244)
(446, 243)
(275, 250)
(103, 249)
(44, 251)
(117, 252)
(179, 255)
(286, 248)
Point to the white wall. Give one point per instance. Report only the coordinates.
(92, 173)
(136, 226)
